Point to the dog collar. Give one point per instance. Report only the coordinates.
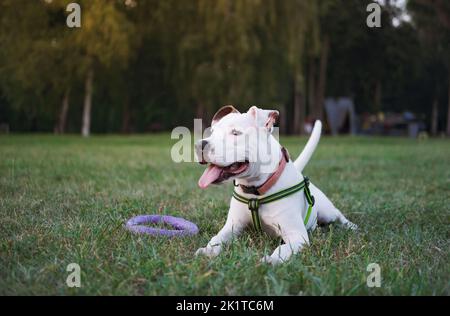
(253, 204)
(263, 188)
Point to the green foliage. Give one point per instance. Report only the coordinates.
(106, 34)
(160, 63)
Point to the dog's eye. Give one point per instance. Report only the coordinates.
(235, 132)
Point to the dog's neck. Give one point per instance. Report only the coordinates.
(271, 180)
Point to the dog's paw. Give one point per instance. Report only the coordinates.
(351, 226)
(210, 252)
(271, 260)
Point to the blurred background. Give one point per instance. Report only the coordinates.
(150, 65)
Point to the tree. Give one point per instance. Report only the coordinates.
(294, 21)
(104, 40)
(31, 67)
(147, 65)
(432, 18)
(215, 51)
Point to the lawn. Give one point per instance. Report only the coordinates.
(65, 200)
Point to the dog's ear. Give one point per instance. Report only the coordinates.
(224, 110)
(264, 118)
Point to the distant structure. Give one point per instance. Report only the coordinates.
(392, 124)
(340, 115)
(4, 128)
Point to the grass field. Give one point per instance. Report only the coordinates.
(65, 199)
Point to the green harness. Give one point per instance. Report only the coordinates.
(253, 204)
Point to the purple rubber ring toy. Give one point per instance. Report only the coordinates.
(182, 226)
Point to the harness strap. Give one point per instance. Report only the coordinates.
(254, 203)
(309, 198)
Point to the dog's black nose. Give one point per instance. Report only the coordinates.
(204, 144)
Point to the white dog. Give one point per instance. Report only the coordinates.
(241, 148)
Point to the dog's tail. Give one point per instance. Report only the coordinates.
(311, 145)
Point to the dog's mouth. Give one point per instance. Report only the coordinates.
(217, 174)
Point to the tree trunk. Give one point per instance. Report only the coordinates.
(86, 127)
(62, 118)
(321, 84)
(283, 120)
(299, 107)
(126, 117)
(434, 117)
(448, 108)
(200, 111)
(377, 96)
(311, 89)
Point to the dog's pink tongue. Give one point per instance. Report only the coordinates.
(209, 176)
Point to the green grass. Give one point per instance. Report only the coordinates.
(65, 199)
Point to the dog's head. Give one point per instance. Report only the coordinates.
(240, 145)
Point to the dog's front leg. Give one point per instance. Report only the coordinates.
(283, 252)
(236, 221)
(294, 239)
(214, 246)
